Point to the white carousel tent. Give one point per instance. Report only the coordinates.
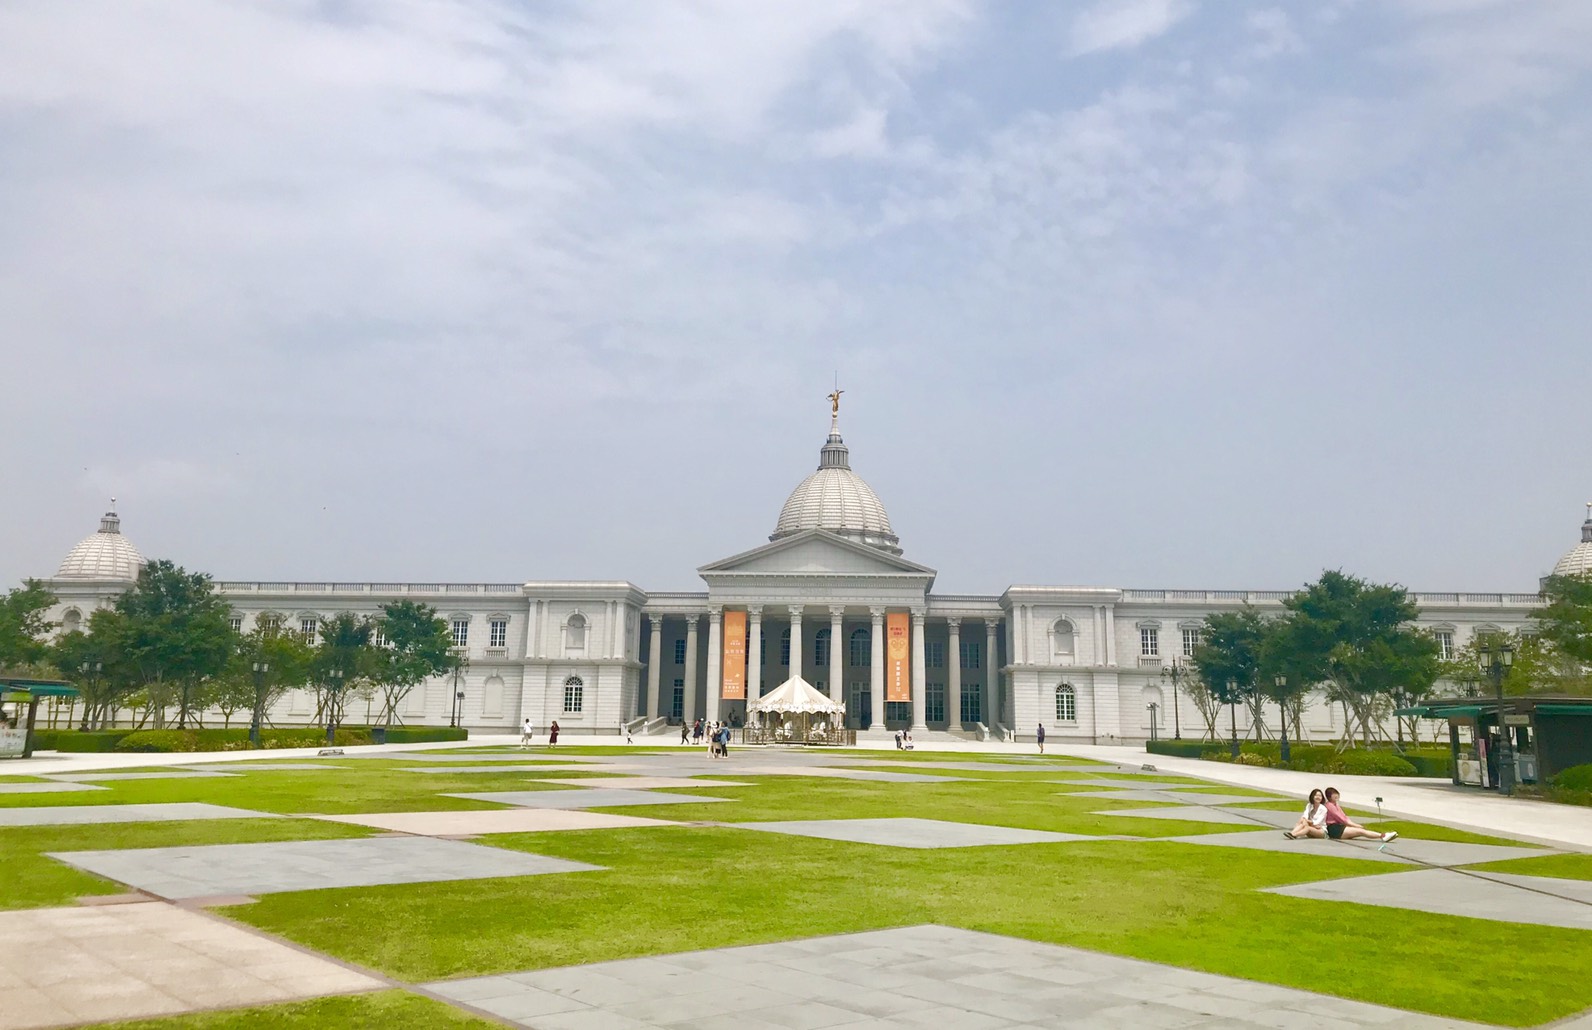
(796, 712)
(797, 697)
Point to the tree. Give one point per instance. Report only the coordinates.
(177, 632)
(418, 646)
(1291, 665)
(1227, 657)
(342, 658)
(1205, 702)
(268, 663)
(1565, 619)
(23, 625)
(1363, 638)
(96, 667)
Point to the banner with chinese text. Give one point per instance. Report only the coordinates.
(897, 657)
(734, 655)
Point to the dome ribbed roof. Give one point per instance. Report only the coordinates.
(837, 499)
(103, 555)
(1578, 559)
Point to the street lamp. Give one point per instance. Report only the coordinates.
(1282, 687)
(1495, 660)
(1175, 674)
(1152, 706)
(458, 696)
(334, 696)
(260, 669)
(1232, 712)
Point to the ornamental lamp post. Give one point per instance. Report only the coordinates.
(1282, 686)
(1495, 660)
(1232, 712)
(458, 697)
(334, 696)
(260, 669)
(1152, 706)
(1175, 674)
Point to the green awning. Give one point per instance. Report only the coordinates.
(1565, 710)
(1422, 712)
(37, 688)
(1460, 711)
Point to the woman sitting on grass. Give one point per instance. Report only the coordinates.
(1341, 827)
(1313, 823)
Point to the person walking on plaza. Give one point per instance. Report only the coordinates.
(1040, 736)
(724, 741)
(1341, 827)
(696, 732)
(552, 734)
(525, 733)
(685, 733)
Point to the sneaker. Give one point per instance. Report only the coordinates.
(1390, 836)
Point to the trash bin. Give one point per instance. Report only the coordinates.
(378, 734)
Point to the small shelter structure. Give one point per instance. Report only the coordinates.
(796, 712)
(17, 741)
(1546, 735)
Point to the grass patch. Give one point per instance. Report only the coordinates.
(387, 1010)
(1565, 867)
(34, 880)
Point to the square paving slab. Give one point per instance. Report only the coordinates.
(642, 782)
(1272, 840)
(1448, 892)
(162, 774)
(538, 754)
(1579, 891)
(596, 798)
(64, 816)
(248, 767)
(914, 833)
(829, 773)
(1182, 813)
(1097, 783)
(133, 961)
(458, 770)
(45, 788)
(496, 820)
(211, 870)
(922, 976)
(1184, 797)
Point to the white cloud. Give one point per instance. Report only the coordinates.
(1122, 24)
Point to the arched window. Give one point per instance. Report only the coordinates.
(72, 621)
(574, 695)
(575, 632)
(784, 647)
(861, 647)
(821, 648)
(1066, 703)
(1063, 642)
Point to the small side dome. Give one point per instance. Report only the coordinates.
(103, 555)
(1578, 559)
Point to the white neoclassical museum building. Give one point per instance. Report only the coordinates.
(830, 597)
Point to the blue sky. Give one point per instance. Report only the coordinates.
(1145, 293)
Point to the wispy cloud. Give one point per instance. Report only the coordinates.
(1123, 24)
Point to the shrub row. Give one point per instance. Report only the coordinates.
(1575, 778)
(1312, 758)
(230, 739)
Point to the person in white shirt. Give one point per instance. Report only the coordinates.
(525, 734)
(1313, 820)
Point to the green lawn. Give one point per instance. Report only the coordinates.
(714, 884)
(1566, 867)
(383, 1010)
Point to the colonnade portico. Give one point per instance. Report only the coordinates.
(824, 652)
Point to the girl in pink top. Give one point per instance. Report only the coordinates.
(1341, 827)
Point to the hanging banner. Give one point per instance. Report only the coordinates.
(897, 657)
(734, 665)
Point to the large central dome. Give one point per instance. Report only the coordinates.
(103, 555)
(836, 498)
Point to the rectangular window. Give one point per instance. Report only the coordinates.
(1445, 645)
(237, 623)
(1066, 704)
(378, 636)
(679, 652)
(972, 653)
(784, 649)
(498, 633)
(898, 713)
(1191, 640)
(821, 649)
(1149, 642)
(307, 628)
(461, 632)
(861, 645)
(677, 702)
(972, 703)
(574, 696)
(933, 654)
(934, 701)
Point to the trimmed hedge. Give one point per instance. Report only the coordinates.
(425, 734)
(234, 738)
(77, 740)
(1314, 758)
(1577, 778)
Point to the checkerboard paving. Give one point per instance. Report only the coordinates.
(1542, 902)
(914, 977)
(45, 788)
(596, 798)
(85, 814)
(495, 820)
(914, 833)
(246, 869)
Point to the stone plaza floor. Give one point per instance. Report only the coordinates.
(1541, 900)
(497, 820)
(81, 814)
(914, 833)
(911, 978)
(597, 797)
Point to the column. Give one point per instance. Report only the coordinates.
(1111, 635)
(533, 633)
(715, 662)
(688, 710)
(795, 640)
(754, 653)
(920, 679)
(619, 631)
(992, 674)
(837, 643)
(876, 669)
(953, 679)
(654, 665)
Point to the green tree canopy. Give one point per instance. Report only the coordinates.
(175, 631)
(1565, 619)
(417, 646)
(23, 625)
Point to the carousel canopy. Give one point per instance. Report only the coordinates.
(796, 697)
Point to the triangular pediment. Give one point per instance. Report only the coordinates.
(816, 552)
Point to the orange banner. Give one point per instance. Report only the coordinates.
(734, 656)
(897, 657)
